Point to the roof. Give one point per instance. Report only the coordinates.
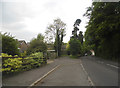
(21, 41)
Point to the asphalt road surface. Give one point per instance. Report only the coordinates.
(85, 71)
(70, 73)
(101, 72)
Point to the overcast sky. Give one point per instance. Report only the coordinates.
(24, 19)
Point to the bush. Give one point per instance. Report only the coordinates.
(51, 55)
(75, 46)
(9, 64)
(9, 44)
(23, 54)
(17, 64)
(37, 55)
(12, 65)
(37, 45)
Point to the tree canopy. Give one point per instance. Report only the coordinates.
(37, 45)
(55, 32)
(9, 44)
(74, 46)
(102, 32)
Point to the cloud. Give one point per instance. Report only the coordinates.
(14, 26)
(24, 35)
(30, 17)
(14, 12)
(51, 4)
(21, 34)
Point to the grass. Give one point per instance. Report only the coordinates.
(74, 57)
(64, 55)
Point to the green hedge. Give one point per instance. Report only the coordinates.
(12, 64)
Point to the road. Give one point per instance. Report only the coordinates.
(85, 71)
(101, 72)
(70, 73)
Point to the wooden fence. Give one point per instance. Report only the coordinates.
(24, 60)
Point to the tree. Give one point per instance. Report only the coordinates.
(74, 32)
(9, 44)
(37, 45)
(80, 37)
(75, 46)
(75, 43)
(40, 37)
(102, 32)
(68, 48)
(56, 32)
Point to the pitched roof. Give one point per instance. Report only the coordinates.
(21, 41)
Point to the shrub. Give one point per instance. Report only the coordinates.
(9, 44)
(75, 47)
(37, 45)
(16, 64)
(37, 55)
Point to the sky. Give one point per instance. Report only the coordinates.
(24, 19)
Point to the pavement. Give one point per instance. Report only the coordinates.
(28, 77)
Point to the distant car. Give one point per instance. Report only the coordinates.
(85, 54)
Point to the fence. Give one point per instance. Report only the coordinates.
(3, 58)
(24, 63)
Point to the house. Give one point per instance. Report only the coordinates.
(22, 46)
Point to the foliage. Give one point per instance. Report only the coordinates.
(37, 55)
(5, 55)
(51, 55)
(23, 54)
(80, 37)
(73, 56)
(52, 29)
(68, 48)
(102, 34)
(9, 44)
(75, 46)
(37, 45)
(40, 37)
(56, 32)
(12, 65)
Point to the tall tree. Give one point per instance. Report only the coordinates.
(102, 32)
(75, 43)
(74, 32)
(56, 32)
(80, 37)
